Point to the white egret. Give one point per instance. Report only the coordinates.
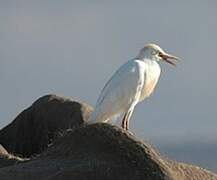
(131, 83)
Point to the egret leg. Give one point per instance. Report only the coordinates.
(129, 114)
(127, 124)
(124, 120)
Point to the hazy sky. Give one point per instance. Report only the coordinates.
(71, 48)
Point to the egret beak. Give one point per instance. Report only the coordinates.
(168, 57)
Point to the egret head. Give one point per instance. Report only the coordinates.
(155, 53)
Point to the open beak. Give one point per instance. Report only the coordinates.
(168, 58)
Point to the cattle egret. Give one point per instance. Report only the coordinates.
(131, 83)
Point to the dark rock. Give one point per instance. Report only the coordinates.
(107, 152)
(37, 126)
(102, 151)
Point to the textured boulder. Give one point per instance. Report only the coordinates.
(102, 151)
(37, 126)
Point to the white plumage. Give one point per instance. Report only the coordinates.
(132, 82)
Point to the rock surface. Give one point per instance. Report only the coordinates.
(95, 152)
(7, 159)
(102, 151)
(37, 126)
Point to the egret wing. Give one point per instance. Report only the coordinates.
(123, 88)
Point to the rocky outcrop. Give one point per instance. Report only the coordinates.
(102, 151)
(93, 152)
(37, 126)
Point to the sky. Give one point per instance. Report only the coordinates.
(71, 48)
